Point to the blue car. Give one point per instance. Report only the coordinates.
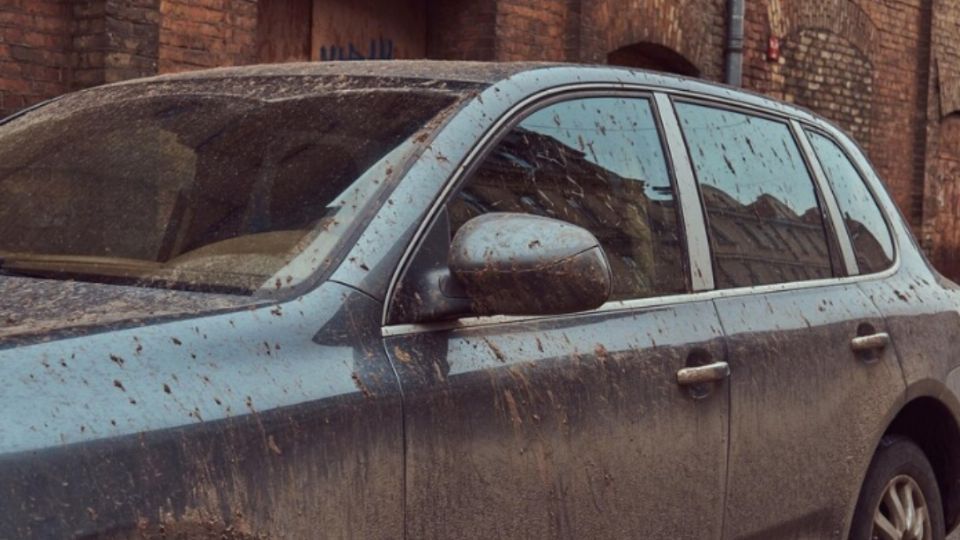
(458, 300)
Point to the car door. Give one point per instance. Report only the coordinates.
(812, 379)
(569, 426)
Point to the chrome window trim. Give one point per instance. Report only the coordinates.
(512, 116)
(829, 198)
(631, 305)
(688, 195)
(865, 178)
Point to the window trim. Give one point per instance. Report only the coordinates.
(500, 129)
(830, 199)
(693, 219)
(864, 179)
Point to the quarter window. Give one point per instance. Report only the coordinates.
(763, 215)
(598, 163)
(868, 231)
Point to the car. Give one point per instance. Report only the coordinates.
(462, 300)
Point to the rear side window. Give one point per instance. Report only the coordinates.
(598, 163)
(864, 221)
(763, 215)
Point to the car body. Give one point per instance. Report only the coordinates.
(742, 358)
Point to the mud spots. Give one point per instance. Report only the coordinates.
(402, 355)
(360, 386)
(496, 350)
(272, 445)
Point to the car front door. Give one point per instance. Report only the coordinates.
(570, 426)
(808, 398)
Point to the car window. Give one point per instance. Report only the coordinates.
(863, 219)
(598, 163)
(194, 186)
(764, 218)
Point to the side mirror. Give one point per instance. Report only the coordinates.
(521, 264)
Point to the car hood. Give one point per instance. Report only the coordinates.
(32, 309)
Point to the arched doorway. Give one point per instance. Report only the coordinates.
(654, 57)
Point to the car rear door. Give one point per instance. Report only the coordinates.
(812, 377)
(570, 426)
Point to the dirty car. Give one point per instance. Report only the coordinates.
(458, 300)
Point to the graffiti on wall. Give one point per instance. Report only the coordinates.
(380, 49)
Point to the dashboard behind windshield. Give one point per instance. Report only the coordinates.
(199, 189)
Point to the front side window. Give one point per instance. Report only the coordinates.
(206, 186)
(763, 215)
(598, 163)
(872, 243)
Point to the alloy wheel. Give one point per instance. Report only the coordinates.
(902, 513)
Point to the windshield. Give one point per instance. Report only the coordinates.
(196, 188)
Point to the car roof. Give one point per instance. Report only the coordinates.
(484, 74)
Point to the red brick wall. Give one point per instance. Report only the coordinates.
(863, 65)
(693, 28)
(941, 231)
(461, 29)
(527, 31)
(34, 40)
(197, 34)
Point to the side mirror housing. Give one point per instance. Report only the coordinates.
(522, 264)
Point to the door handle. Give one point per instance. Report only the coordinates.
(873, 342)
(709, 373)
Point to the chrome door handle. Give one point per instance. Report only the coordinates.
(709, 373)
(873, 342)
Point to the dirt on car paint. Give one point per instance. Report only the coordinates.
(31, 307)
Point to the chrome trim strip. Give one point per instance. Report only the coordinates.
(698, 245)
(631, 305)
(833, 209)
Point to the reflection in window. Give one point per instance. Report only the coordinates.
(195, 188)
(868, 231)
(598, 163)
(764, 219)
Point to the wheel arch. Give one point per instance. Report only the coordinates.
(933, 426)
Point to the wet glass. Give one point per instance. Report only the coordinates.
(598, 163)
(872, 242)
(763, 216)
(232, 188)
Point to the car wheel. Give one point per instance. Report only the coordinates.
(900, 499)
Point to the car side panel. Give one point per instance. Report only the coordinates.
(280, 422)
(572, 427)
(806, 412)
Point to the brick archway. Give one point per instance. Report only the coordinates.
(654, 57)
(692, 30)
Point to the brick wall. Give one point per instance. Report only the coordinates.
(941, 230)
(531, 32)
(196, 34)
(34, 40)
(461, 29)
(693, 28)
(862, 64)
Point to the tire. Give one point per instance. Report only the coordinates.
(899, 472)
